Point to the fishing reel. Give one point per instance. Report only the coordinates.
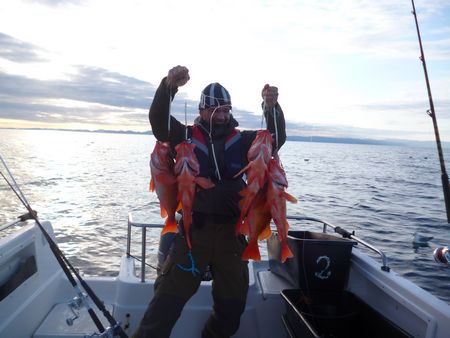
(75, 305)
(110, 332)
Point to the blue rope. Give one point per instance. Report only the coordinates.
(191, 269)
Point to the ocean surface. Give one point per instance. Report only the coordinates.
(87, 183)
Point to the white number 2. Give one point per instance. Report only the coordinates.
(325, 273)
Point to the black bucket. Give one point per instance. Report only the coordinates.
(321, 261)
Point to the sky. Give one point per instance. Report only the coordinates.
(343, 68)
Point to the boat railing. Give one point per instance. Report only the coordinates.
(143, 227)
(345, 234)
(18, 220)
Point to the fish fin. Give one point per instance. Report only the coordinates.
(167, 179)
(163, 211)
(290, 198)
(265, 233)
(243, 228)
(170, 226)
(251, 252)
(244, 192)
(239, 225)
(187, 220)
(243, 170)
(285, 252)
(204, 182)
(152, 185)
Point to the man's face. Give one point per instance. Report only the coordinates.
(216, 115)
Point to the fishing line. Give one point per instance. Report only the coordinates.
(170, 112)
(58, 255)
(192, 269)
(307, 298)
(212, 144)
(22, 196)
(263, 109)
(274, 112)
(65, 264)
(432, 114)
(185, 121)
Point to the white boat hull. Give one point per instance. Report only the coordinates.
(38, 306)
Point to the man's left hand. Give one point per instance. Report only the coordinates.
(270, 95)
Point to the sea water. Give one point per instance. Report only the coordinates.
(86, 183)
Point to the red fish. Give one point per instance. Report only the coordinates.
(276, 203)
(165, 183)
(187, 168)
(262, 144)
(257, 223)
(258, 155)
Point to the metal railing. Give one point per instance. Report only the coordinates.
(344, 233)
(20, 219)
(143, 227)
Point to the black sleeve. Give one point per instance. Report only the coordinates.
(280, 123)
(159, 112)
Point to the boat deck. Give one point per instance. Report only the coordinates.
(38, 305)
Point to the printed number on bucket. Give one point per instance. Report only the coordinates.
(324, 273)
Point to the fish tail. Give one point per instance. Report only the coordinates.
(170, 226)
(251, 252)
(285, 252)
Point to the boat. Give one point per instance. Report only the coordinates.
(371, 300)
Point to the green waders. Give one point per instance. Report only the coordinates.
(213, 244)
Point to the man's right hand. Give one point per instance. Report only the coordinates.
(177, 77)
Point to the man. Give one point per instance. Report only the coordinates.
(221, 150)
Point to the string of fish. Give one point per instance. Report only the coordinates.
(192, 269)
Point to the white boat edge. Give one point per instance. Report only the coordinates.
(38, 307)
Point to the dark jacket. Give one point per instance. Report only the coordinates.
(223, 199)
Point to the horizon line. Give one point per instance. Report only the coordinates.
(294, 138)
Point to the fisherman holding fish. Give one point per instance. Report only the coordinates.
(214, 167)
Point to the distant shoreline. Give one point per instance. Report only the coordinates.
(296, 138)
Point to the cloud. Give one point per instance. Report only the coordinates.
(89, 84)
(411, 106)
(18, 51)
(91, 95)
(54, 3)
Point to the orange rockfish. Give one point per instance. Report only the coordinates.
(261, 145)
(276, 203)
(186, 169)
(165, 183)
(259, 156)
(256, 225)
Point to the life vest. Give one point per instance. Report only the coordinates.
(232, 153)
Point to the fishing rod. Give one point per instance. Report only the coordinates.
(432, 114)
(65, 264)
